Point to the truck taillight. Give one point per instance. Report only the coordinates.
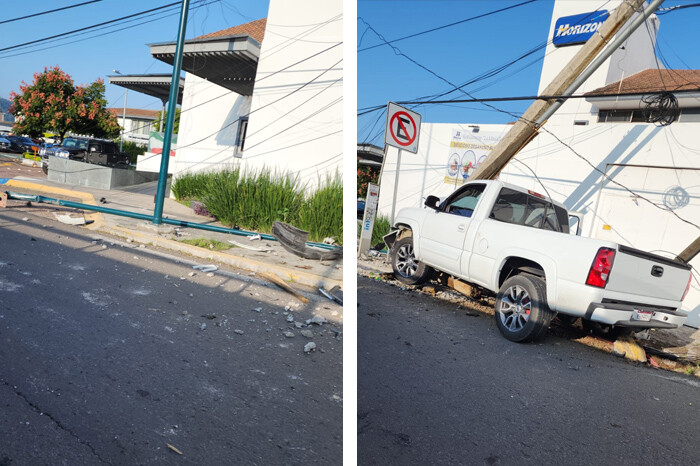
(600, 270)
(687, 287)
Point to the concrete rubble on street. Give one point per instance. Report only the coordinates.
(678, 349)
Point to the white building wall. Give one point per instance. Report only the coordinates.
(208, 126)
(296, 115)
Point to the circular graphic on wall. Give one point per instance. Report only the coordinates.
(467, 166)
(453, 164)
(676, 198)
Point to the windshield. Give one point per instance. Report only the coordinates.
(71, 143)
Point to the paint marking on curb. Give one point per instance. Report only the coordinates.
(87, 198)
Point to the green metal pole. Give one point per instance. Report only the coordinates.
(170, 121)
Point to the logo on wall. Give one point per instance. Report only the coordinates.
(577, 29)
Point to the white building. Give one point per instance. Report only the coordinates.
(585, 149)
(138, 123)
(263, 94)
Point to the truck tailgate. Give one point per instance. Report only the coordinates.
(645, 274)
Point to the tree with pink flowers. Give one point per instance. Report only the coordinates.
(54, 103)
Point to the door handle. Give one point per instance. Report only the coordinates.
(462, 227)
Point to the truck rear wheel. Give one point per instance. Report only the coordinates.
(407, 269)
(522, 313)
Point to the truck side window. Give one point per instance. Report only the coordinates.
(464, 202)
(509, 207)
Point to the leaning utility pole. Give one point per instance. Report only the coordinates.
(565, 84)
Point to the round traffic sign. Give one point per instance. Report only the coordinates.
(409, 133)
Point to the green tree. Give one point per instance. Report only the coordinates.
(176, 126)
(54, 103)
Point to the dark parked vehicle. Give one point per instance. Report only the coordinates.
(5, 145)
(97, 151)
(21, 144)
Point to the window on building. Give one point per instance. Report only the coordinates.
(614, 116)
(689, 115)
(242, 129)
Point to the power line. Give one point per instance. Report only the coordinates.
(446, 25)
(49, 11)
(88, 27)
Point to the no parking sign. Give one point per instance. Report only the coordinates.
(402, 128)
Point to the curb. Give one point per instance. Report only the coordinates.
(87, 198)
(285, 273)
(100, 224)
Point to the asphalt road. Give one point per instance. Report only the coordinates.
(439, 386)
(108, 353)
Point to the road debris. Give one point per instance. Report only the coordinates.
(68, 220)
(290, 318)
(294, 240)
(174, 449)
(289, 334)
(309, 347)
(250, 248)
(307, 333)
(318, 320)
(330, 296)
(629, 349)
(279, 282)
(205, 268)
(238, 331)
(203, 326)
(255, 237)
(257, 309)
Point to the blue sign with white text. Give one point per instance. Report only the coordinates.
(577, 29)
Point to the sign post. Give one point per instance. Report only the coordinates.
(402, 131)
(368, 218)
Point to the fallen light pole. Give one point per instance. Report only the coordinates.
(169, 221)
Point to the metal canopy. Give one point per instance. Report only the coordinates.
(229, 61)
(155, 85)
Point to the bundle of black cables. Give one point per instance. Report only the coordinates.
(660, 108)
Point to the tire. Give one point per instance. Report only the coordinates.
(406, 268)
(521, 310)
(45, 168)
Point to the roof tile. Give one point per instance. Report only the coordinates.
(255, 29)
(653, 80)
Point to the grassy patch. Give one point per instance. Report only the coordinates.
(208, 244)
(322, 212)
(381, 228)
(254, 200)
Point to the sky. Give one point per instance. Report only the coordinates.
(123, 50)
(465, 51)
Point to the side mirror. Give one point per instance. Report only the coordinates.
(433, 202)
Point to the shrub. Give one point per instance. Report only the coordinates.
(322, 213)
(133, 149)
(254, 200)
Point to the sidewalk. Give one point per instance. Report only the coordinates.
(141, 199)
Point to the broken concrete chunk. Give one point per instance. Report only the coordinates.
(239, 331)
(257, 309)
(307, 333)
(290, 318)
(191, 274)
(309, 347)
(318, 320)
(298, 324)
(289, 334)
(203, 326)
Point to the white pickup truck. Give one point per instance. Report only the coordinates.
(516, 244)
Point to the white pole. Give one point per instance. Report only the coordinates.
(396, 186)
(121, 142)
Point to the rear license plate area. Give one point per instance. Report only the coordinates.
(640, 314)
